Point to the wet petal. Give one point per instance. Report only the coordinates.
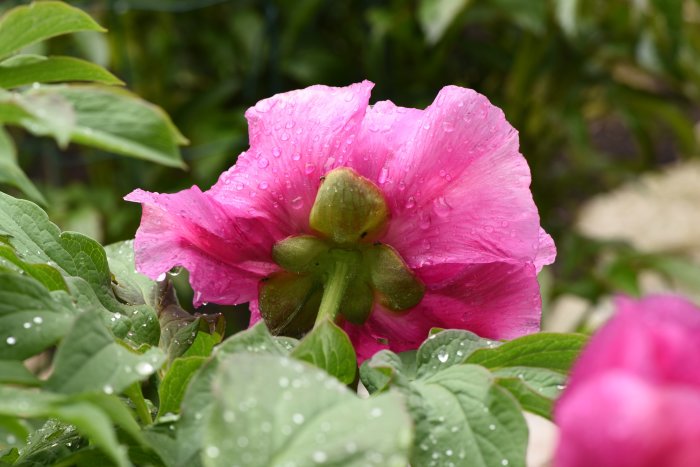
(225, 256)
(466, 196)
(493, 300)
(295, 138)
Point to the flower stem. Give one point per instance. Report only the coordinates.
(134, 393)
(334, 290)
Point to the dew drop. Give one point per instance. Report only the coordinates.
(263, 185)
(298, 418)
(309, 168)
(442, 207)
(284, 382)
(319, 457)
(276, 152)
(242, 441)
(410, 202)
(296, 156)
(144, 368)
(107, 389)
(285, 136)
(11, 340)
(443, 356)
(27, 325)
(263, 162)
(492, 427)
(375, 412)
(448, 127)
(504, 462)
(161, 277)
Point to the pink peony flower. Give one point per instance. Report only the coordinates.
(634, 395)
(459, 212)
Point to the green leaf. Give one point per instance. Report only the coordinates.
(554, 351)
(172, 387)
(536, 389)
(203, 345)
(197, 402)
(462, 416)
(11, 173)
(31, 319)
(47, 275)
(117, 121)
(273, 411)
(88, 418)
(386, 369)
(14, 372)
(39, 112)
(328, 347)
(90, 360)
(447, 348)
(22, 70)
(26, 25)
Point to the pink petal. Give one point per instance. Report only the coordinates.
(657, 338)
(295, 138)
(255, 315)
(493, 300)
(616, 419)
(546, 252)
(466, 196)
(225, 256)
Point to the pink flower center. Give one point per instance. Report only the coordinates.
(343, 269)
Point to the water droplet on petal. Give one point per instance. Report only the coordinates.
(383, 175)
(448, 127)
(276, 152)
(410, 202)
(297, 202)
(161, 277)
(309, 168)
(263, 185)
(441, 207)
(263, 162)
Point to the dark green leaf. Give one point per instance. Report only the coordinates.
(536, 389)
(172, 387)
(552, 351)
(447, 348)
(87, 417)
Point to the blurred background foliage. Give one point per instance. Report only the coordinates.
(601, 91)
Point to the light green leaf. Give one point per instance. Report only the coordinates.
(273, 411)
(11, 173)
(47, 275)
(26, 25)
(22, 70)
(554, 351)
(39, 112)
(90, 360)
(536, 389)
(329, 348)
(14, 372)
(118, 121)
(463, 417)
(172, 387)
(31, 319)
(386, 369)
(435, 16)
(447, 348)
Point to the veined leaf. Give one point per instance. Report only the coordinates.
(21, 70)
(26, 25)
(11, 173)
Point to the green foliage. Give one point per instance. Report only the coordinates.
(101, 117)
(278, 411)
(328, 347)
